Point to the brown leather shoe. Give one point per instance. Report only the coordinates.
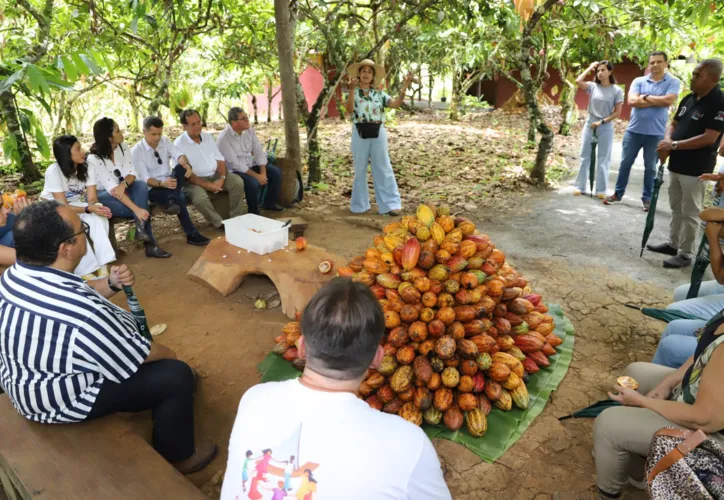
(204, 454)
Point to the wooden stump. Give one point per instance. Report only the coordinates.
(223, 267)
(288, 191)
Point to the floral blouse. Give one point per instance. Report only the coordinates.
(371, 107)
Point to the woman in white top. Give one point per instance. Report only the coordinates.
(67, 181)
(119, 188)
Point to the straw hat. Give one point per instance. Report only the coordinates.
(353, 71)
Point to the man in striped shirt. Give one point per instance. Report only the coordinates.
(67, 354)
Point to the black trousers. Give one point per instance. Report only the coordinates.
(167, 388)
(163, 196)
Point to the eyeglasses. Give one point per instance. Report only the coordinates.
(158, 157)
(85, 228)
(117, 173)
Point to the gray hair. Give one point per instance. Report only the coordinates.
(713, 67)
(235, 113)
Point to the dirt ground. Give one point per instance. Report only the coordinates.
(225, 338)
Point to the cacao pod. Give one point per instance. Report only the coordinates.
(445, 347)
(453, 418)
(512, 382)
(376, 266)
(484, 404)
(451, 286)
(375, 380)
(443, 398)
(422, 369)
(432, 416)
(435, 381)
(450, 377)
(391, 228)
(464, 314)
(386, 394)
(447, 315)
(392, 319)
(401, 379)
(540, 359)
(511, 293)
(505, 342)
(484, 361)
(417, 331)
(445, 300)
(409, 294)
(476, 422)
(442, 256)
(291, 354)
(545, 329)
(475, 327)
(436, 329)
(392, 241)
(373, 253)
(484, 343)
(534, 319)
(357, 263)
(467, 348)
(437, 233)
(469, 367)
(425, 215)
(530, 366)
(446, 223)
(406, 395)
(429, 299)
(520, 397)
(464, 297)
(390, 350)
(398, 337)
(409, 313)
(528, 343)
(365, 390)
(467, 249)
(467, 228)
(431, 246)
(388, 258)
(502, 325)
(456, 235)
(452, 247)
(438, 365)
(281, 347)
(493, 390)
(422, 398)
(505, 402)
(467, 401)
(422, 284)
(498, 372)
(516, 353)
(426, 314)
(345, 272)
(456, 263)
(456, 330)
(474, 264)
(468, 280)
(440, 272)
(423, 233)
(478, 382)
(520, 306)
(453, 362)
(426, 347)
(388, 280)
(521, 329)
(405, 355)
(466, 385)
(375, 402)
(553, 339)
(548, 349)
(393, 406)
(410, 254)
(411, 413)
(426, 260)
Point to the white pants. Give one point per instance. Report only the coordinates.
(100, 252)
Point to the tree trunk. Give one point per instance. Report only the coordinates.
(431, 82)
(285, 27)
(314, 155)
(133, 101)
(455, 97)
(269, 99)
(568, 106)
(281, 115)
(538, 174)
(256, 111)
(24, 157)
(532, 125)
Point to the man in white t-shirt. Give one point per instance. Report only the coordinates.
(342, 448)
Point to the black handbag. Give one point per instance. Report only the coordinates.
(368, 130)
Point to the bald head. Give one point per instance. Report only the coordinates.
(706, 76)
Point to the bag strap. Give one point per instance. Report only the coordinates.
(691, 439)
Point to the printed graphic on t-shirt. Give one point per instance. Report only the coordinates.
(76, 189)
(278, 472)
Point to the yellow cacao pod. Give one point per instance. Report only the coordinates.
(425, 215)
(520, 397)
(437, 232)
(505, 402)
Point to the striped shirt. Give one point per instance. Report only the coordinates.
(59, 341)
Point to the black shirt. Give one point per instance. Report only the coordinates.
(694, 118)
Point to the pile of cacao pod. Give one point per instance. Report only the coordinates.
(464, 331)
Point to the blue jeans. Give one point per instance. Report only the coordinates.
(252, 188)
(162, 196)
(138, 193)
(678, 342)
(6, 232)
(708, 302)
(604, 135)
(632, 144)
(373, 152)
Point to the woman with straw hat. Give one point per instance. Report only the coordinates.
(369, 138)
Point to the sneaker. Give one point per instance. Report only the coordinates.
(172, 209)
(612, 200)
(646, 205)
(203, 455)
(157, 252)
(677, 262)
(197, 239)
(393, 213)
(663, 248)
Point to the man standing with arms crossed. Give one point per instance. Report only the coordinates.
(650, 97)
(691, 144)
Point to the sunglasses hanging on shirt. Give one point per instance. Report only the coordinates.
(158, 157)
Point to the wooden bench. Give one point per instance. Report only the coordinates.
(99, 459)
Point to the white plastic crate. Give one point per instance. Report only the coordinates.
(271, 235)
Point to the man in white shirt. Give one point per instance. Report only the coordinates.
(342, 447)
(209, 169)
(150, 156)
(245, 157)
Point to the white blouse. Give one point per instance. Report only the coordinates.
(106, 177)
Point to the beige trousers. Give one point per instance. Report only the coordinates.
(233, 184)
(686, 197)
(624, 433)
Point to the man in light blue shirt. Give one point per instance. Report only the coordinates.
(650, 97)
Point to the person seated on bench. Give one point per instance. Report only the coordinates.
(210, 169)
(67, 354)
(150, 157)
(68, 181)
(246, 158)
(7, 219)
(338, 435)
(122, 192)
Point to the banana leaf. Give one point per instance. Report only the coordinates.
(665, 315)
(649, 226)
(504, 427)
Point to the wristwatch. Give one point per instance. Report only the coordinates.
(87, 210)
(674, 144)
(222, 177)
(110, 285)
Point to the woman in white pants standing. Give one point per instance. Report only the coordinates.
(67, 181)
(369, 137)
(603, 108)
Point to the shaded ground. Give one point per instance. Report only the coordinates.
(575, 252)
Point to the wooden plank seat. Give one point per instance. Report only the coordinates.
(99, 459)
